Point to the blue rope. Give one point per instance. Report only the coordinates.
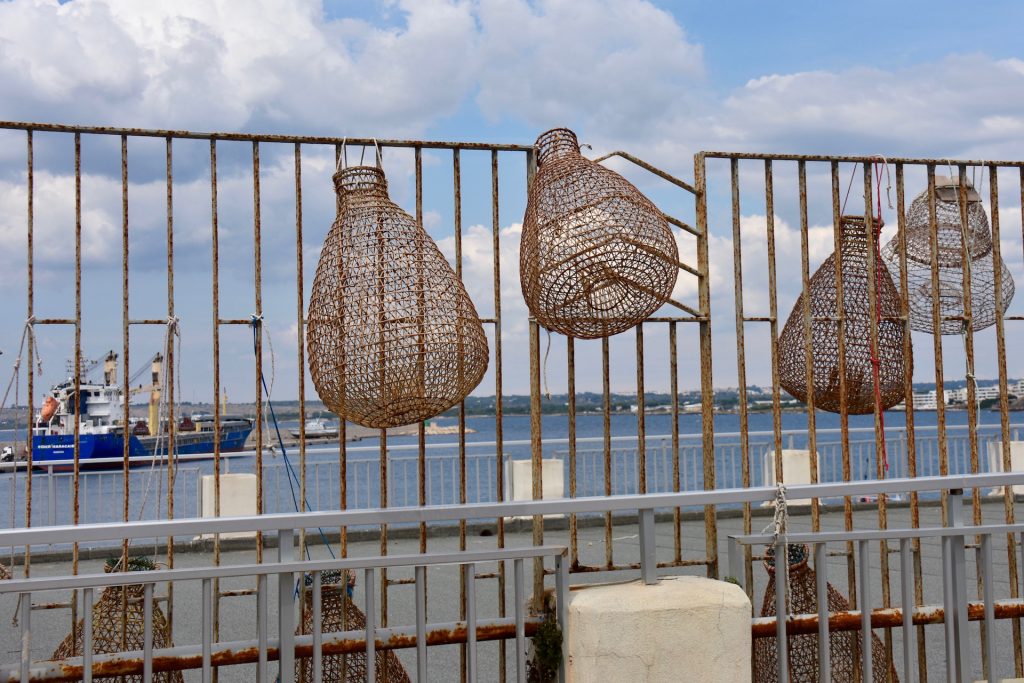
(256, 323)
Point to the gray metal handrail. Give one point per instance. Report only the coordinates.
(399, 515)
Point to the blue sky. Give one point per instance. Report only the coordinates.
(661, 80)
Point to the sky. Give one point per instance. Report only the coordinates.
(660, 80)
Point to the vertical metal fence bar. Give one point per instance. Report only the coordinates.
(76, 470)
(988, 579)
(940, 406)
(371, 625)
(648, 556)
(641, 418)
(673, 358)
(773, 314)
(457, 227)
(536, 455)
(707, 390)
(499, 481)
(520, 598)
(741, 359)
(780, 550)
(126, 398)
(318, 626)
(206, 636)
(562, 609)
(87, 645)
(147, 633)
(30, 315)
(959, 581)
(421, 623)
(469, 590)
(821, 597)
(172, 427)
(261, 628)
(383, 458)
(907, 603)
(1004, 417)
(607, 434)
(25, 609)
(215, 293)
(570, 350)
(257, 328)
(865, 611)
(286, 606)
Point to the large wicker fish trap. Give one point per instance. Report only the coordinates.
(844, 646)
(118, 625)
(858, 316)
(5, 573)
(393, 337)
(596, 256)
(953, 241)
(339, 614)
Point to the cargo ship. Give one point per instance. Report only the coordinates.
(98, 410)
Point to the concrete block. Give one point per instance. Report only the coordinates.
(796, 469)
(995, 462)
(237, 499)
(684, 628)
(519, 479)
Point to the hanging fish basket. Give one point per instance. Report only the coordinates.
(844, 646)
(393, 337)
(5, 573)
(858, 315)
(118, 625)
(339, 614)
(955, 243)
(596, 256)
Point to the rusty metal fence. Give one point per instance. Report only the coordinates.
(717, 194)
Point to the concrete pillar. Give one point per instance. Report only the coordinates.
(995, 462)
(237, 499)
(684, 628)
(796, 469)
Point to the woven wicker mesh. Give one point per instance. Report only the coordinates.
(393, 337)
(596, 257)
(339, 614)
(860, 390)
(949, 259)
(112, 619)
(844, 646)
(5, 573)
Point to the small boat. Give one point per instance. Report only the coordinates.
(316, 428)
(97, 409)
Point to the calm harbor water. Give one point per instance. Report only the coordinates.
(100, 493)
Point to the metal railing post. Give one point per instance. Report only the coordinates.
(736, 562)
(821, 593)
(959, 566)
(286, 606)
(562, 610)
(907, 603)
(781, 554)
(648, 557)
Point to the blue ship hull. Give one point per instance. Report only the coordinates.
(93, 447)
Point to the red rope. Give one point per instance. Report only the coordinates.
(876, 227)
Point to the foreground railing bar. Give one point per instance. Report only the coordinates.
(884, 534)
(286, 602)
(907, 605)
(864, 598)
(41, 583)
(182, 527)
(781, 608)
(251, 137)
(87, 635)
(147, 633)
(318, 639)
(261, 628)
(371, 624)
(207, 626)
(988, 577)
(821, 593)
(519, 597)
(25, 607)
(470, 592)
(421, 623)
(562, 609)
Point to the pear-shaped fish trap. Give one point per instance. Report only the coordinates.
(858, 315)
(844, 646)
(597, 256)
(393, 337)
(951, 246)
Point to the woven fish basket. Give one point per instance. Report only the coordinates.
(858, 316)
(596, 256)
(844, 646)
(118, 624)
(954, 240)
(338, 614)
(393, 337)
(5, 573)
